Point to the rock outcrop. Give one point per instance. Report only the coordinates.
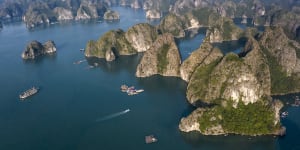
(136, 4)
(37, 14)
(203, 56)
(63, 14)
(283, 59)
(227, 119)
(35, 49)
(86, 11)
(109, 46)
(162, 58)
(111, 15)
(223, 30)
(285, 50)
(141, 36)
(153, 14)
(172, 24)
(239, 85)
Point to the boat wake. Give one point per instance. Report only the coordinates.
(111, 116)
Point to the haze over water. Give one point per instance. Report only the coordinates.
(79, 108)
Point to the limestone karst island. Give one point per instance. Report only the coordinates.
(202, 74)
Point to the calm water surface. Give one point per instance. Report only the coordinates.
(80, 108)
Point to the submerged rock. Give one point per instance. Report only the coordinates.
(35, 49)
(162, 58)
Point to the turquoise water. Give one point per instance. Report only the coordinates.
(80, 108)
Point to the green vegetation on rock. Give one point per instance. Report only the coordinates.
(162, 58)
(280, 82)
(251, 119)
(113, 40)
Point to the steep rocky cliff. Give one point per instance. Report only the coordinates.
(205, 55)
(153, 14)
(111, 15)
(172, 24)
(35, 49)
(86, 11)
(283, 59)
(39, 13)
(141, 36)
(239, 86)
(223, 29)
(136, 4)
(110, 45)
(162, 58)
(63, 14)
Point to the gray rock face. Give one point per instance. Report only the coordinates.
(35, 49)
(153, 14)
(135, 4)
(141, 36)
(162, 58)
(111, 43)
(111, 15)
(205, 55)
(191, 123)
(284, 50)
(172, 24)
(223, 30)
(63, 14)
(86, 11)
(109, 55)
(37, 14)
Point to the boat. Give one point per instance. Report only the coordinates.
(29, 92)
(130, 90)
(82, 49)
(284, 114)
(150, 139)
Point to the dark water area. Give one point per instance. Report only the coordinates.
(231, 46)
(81, 107)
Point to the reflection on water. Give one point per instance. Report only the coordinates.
(228, 142)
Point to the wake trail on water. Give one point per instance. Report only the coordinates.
(114, 115)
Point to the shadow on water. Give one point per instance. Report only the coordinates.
(128, 63)
(41, 59)
(159, 83)
(199, 141)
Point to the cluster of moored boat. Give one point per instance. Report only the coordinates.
(29, 92)
(130, 90)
